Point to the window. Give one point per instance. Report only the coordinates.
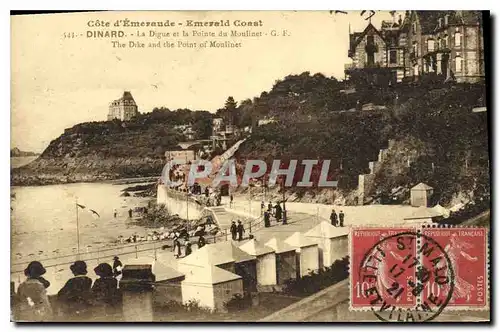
(430, 45)
(440, 23)
(446, 19)
(393, 56)
(458, 63)
(402, 41)
(414, 27)
(458, 38)
(415, 48)
(444, 41)
(370, 40)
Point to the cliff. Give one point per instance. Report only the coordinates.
(108, 150)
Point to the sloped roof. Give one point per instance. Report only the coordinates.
(326, 230)
(357, 37)
(127, 96)
(216, 254)
(428, 19)
(422, 186)
(279, 246)
(405, 26)
(468, 17)
(161, 271)
(256, 248)
(424, 213)
(210, 275)
(299, 240)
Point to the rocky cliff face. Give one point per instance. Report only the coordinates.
(84, 169)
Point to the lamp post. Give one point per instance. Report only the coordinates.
(284, 206)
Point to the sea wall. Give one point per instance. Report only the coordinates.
(177, 203)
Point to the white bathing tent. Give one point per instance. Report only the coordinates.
(307, 253)
(227, 256)
(332, 242)
(266, 261)
(286, 263)
(210, 286)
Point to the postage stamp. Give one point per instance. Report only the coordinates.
(382, 261)
(414, 274)
(467, 250)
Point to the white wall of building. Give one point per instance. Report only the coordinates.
(308, 260)
(224, 292)
(266, 269)
(338, 248)
(202, 293)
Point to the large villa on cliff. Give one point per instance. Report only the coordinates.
(123, 109)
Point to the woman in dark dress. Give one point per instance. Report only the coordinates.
(75, 297)
(105, 292)
(32, 301)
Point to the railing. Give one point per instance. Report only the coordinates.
(130, 249)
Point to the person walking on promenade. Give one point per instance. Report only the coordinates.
(231, 201)
(32, 301)
(267, 219)
(177, 248)
(117, 269)
(188, 249)
(105, 291)
(130, 213)
(115, 213)
(341, 218)
(270, 209)
(262, 207)
(201, 242)
(234, 230)
(333, 218)
(75, 294)
(241, 230)
(278, 212)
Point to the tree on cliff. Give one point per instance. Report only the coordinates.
(230, 110)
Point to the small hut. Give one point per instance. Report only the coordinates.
(266, 261)
(421, 194)
(227, 256)
(332, 242)
(286, 264)
(167, 285)
(210, 286)
(307, 253)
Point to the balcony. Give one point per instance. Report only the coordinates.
(361, 66)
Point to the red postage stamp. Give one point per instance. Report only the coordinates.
(466, 253)
(383, 262)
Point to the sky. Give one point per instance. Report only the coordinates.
(58, 82)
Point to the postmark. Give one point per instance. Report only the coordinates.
(395, 270)
(467, 250)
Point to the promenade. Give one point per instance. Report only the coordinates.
(300, 218)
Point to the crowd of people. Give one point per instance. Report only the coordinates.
(275, 211)
(79, 299)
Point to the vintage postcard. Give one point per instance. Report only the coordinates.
(250, 166)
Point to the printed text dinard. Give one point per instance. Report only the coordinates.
(126, 23)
